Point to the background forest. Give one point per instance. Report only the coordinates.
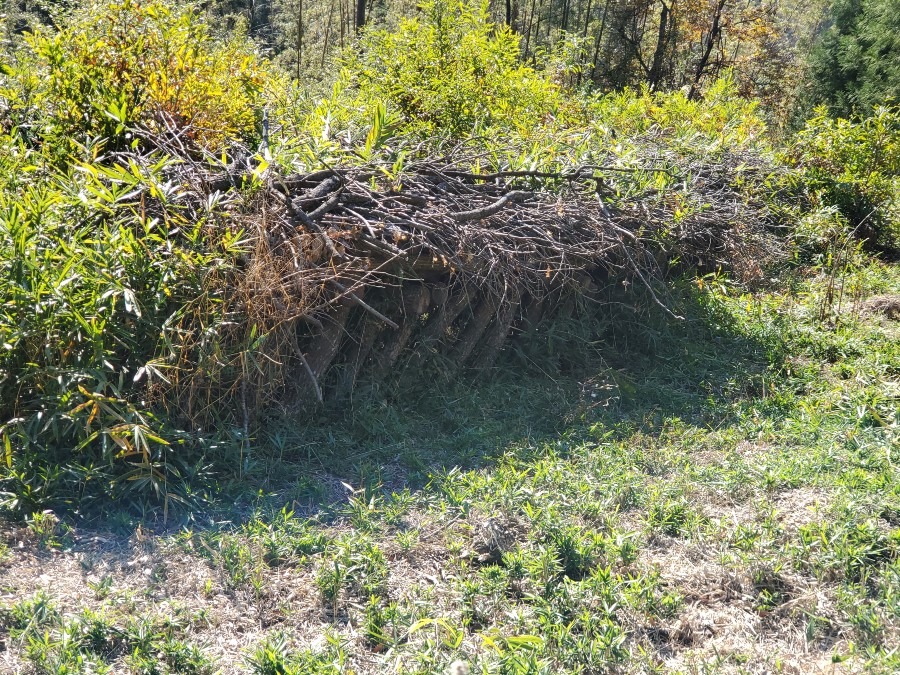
(788, 55)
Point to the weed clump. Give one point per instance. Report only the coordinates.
(852, 167)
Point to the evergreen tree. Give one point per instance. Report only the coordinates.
(856, 64)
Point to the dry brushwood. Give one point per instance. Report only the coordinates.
(492, 537)
(886, 305)
(364, 274)
(445, 263)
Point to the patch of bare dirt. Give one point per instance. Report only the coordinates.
(723, 620)
(147, 576)
(799, 507)
(138, 577)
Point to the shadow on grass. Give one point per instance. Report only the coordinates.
(626, 365)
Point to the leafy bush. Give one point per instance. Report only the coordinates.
(117, 63)
(452, 71)
(101, 267)
(553, 130)
(723, 121)
(854, 166)
(447, 72)
(113, 274)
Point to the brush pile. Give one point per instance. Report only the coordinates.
(362, 275)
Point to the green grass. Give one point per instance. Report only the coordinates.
(714, 495)
(101, 642)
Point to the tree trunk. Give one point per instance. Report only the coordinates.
(445, 313)
(324, 347)
(661, 39)
(414, 303)
(528, 33)
(598, 40)
(473, 331)
(587, 21)
(371, 329)
(494, 341)
(299, 38)
(360, 14)
(714, 32)
(537, 27)
(327, 32)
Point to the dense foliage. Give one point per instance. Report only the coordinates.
(451, 71)
(609, 44)
(856, 64)
(133, 317)
(854, 167)
(111, 269)
(117, 64)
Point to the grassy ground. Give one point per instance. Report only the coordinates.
(714, 495)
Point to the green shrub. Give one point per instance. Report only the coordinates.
(854, 167)
(113, 275)
(447, 73)
(723, 121)
(117, 63)
(451, 71)
(102, 272)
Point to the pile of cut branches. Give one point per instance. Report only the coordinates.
(358, 274)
